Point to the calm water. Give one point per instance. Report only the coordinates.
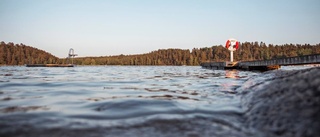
(121, 101)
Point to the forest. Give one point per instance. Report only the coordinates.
(20, 54)
(248, 51)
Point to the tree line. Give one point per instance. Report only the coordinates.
(248, 51)
(19, 54)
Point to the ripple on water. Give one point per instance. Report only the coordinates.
(116, 100)
(13, 109)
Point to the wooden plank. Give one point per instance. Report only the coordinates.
(264, 64)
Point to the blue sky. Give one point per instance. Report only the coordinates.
(113, 27)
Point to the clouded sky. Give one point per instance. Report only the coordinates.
(113, 27)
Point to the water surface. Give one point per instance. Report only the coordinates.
(121, 100)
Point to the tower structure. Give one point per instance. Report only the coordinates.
(71, 55)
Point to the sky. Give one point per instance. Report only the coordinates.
(114, 27)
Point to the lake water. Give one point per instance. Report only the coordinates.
(122, 101)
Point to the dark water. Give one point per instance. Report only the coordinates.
(121, 101)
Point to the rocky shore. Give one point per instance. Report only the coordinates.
(286, 105)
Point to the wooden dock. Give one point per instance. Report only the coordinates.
(49, 65)
(264, 65)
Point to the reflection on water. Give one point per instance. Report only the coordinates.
(116, 97)
(232, 73)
